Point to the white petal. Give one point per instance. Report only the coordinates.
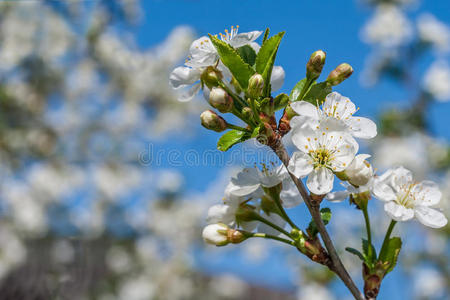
(221, 213)
(320, 181)
(189, 94)
(270, 178)
(255, 46)
(290, 196)
(338, 106)
(304, 138)
(400, 177)
(277, 78)
(303, 121)
(430, 217)
(246, 182)
(398, 212)
(426, 193)
(382, 188)
(300, 164)
(202, 53)
(338, 196)
(244, 38)
(303, 108)
(362, 127)
(183, 76)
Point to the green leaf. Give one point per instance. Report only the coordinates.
(266, 35)
(297, 90)
(317, 93)
(231, 138)
(233, 61)
(390, 253)
(266, 59)
(325, 214)
(355, 252)
(247, 54)
(255, 132)
(281, 101)
(369, 258)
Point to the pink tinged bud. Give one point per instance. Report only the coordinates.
(342, 72)
(255, 86)
(315, 64)
(219, 99)
(211, 77)
(359, 172)
(210, 120)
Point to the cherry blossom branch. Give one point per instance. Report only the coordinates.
(313, 207)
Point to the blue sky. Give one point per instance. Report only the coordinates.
(332, 26)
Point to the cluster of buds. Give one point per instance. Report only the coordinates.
(221, 235)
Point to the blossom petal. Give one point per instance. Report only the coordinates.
(345, 147)
(304, 138)
(303, 121)
(363, 128)
(290, 196)
(382, 189)
(427, 193)
(300, 164)
(320, 181)
(430, 217)
(189, 94)
(244, 38)
(183, 76)
(277, 78)
(202, 53)
(400, 177)
(398, 212)
(245, 183)
(303, 108)
(338, 196)
(221, 213)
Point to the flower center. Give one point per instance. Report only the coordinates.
(321, 157)
(229, 35)
(404, 197)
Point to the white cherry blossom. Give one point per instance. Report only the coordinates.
(405, 199)
(323, 150)
(437, 79)
(338, 107)
(215, 234)
(433, 31)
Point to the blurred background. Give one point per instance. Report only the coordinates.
(106, 177)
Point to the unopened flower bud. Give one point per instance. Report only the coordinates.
(219, 99)
(210, 120)
(211, 77)
(315, 64)
(216, 234)
(247, 112)
(359, 171)
(255, 86)
(342, 72)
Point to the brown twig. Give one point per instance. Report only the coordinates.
(314, 209)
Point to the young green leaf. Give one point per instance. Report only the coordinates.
(390, 253)
(297, 90)
(317, 93)
(370, 256)
(231, 138)
(247, 54)
(233, 61)
(355, 252)
(266, 35)
(325, 214)
(266, 59)
(281, 101)
(255, 132)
